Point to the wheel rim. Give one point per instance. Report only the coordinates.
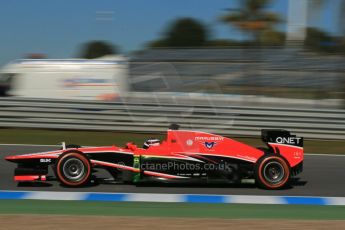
(74, 169)
(274, 172)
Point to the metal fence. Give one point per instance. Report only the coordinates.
(298, 72)
(155, 117)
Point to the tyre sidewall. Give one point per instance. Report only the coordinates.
(59, 172)
(259, 167)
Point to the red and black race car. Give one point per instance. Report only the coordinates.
(184, 156)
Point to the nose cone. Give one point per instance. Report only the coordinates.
(15, 158)
(11, 158)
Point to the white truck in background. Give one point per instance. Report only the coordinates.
(79, 79)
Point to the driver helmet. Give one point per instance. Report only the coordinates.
(151, 142)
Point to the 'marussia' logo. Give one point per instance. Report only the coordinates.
(210, 141)
(210, 145)
(210, 138)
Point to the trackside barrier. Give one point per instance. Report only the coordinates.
(156, 117)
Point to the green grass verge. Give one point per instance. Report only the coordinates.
(52, 137)
(232, 211)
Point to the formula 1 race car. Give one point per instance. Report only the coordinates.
(185, 156)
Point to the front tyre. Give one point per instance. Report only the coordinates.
(272, 172)
(73, 169)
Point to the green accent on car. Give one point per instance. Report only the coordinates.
(136, 164)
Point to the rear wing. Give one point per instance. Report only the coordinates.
(281, 136)
(282, 142)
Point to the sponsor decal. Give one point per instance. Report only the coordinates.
(210, 138)
(136, 160)
(210, 141)
(189, 142)
(297, 155)
(210, 145)
(288, 140)
(45, 160)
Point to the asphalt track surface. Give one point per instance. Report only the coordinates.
(323, 175)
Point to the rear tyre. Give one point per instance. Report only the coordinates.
(73, 169)
(272, 172)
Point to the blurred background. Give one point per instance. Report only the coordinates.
(205, 55)
(274, 48)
